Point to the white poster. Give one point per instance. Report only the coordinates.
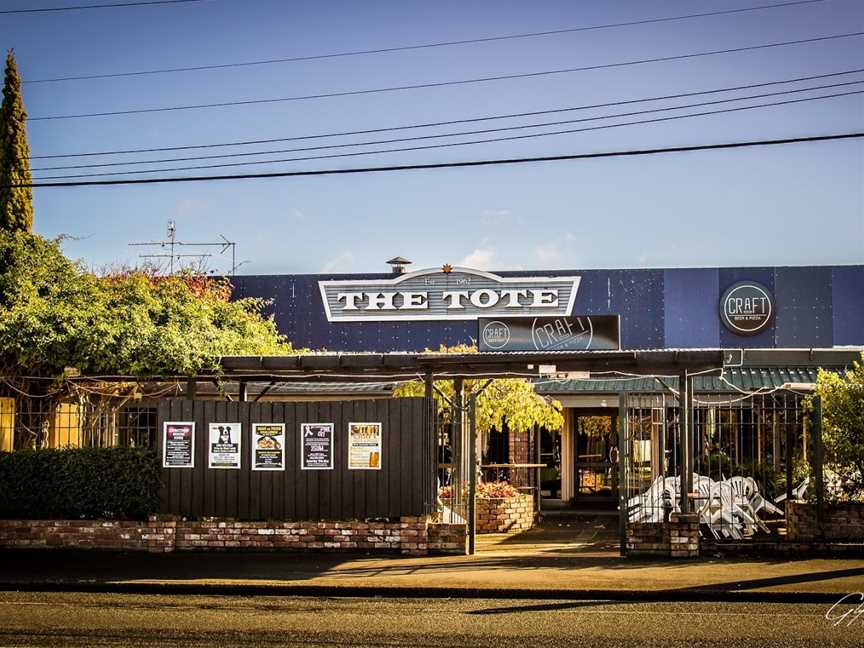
(268, 446)
(223, 449)
(364, 446)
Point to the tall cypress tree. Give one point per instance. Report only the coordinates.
(16, 203)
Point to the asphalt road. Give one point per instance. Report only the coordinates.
(70, 619)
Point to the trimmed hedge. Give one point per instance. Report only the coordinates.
(77, 483)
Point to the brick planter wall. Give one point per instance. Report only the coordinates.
(843, 522)
(408, 536)
(678, 538)
(448, 538)
(505, 515)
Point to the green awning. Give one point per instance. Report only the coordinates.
(733, 379)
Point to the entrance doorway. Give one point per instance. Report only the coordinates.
(595, 457)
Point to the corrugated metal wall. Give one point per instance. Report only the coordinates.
(405, 484)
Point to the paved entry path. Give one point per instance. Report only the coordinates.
(575, 533)
(556, 560)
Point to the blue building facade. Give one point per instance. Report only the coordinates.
(813, 307)
(747, 411)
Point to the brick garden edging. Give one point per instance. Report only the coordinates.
(843, 521)
(677, 538)
(164, 534)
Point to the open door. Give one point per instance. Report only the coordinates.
(595, 456)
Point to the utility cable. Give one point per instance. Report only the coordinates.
(442, 135)
(454, 165)
(113, 5)
(453, 144)
(440, 84)
(368, 131)
(403, 48)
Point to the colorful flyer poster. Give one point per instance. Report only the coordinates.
(316, 446)
(364, 446)
(224, 446)
(268, 446)
(178, 445)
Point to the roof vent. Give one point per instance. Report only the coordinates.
(398, 264)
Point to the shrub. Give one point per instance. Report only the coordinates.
(55, 314)
(843, 430)
(73, 483)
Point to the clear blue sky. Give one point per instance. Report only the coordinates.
(790, 205)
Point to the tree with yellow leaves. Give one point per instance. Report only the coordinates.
(510, 401)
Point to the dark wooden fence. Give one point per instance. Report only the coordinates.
(405, 484)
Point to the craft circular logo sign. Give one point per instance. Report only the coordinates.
(496, 334)
(747, 308)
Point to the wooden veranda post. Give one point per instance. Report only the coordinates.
(817, 457)
(623, 454)
(432, 431)
(472, 475)
(790, 458)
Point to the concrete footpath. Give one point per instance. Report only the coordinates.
(544, 565)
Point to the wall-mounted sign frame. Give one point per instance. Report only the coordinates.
(178, 444)
(224, 444)
(316, 446)
(451, 293)
(268, 446)
(747, 308)
(364, 446)
(562, 333)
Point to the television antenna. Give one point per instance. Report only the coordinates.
(171, 245)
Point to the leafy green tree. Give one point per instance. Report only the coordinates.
(843, 428)
(16, 203)
(506, 400)
(54, 314)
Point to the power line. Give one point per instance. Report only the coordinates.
(439, 84)
(454, 144)
(441, 135)
(450, 165)
(403, 48)
(447, 122)
(113, 5)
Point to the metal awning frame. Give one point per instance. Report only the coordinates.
(341, 367)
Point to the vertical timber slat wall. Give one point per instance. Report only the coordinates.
(403, 486)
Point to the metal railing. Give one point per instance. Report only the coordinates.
(749, 456)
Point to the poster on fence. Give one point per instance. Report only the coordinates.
(316, 446)
(224, 446)
(268, 446)
(364, 446)
(178, 445)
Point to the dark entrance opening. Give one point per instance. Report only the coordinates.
(550, 476)
(595, 460)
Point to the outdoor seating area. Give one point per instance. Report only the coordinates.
(730, 508)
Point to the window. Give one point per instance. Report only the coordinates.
(7, 424)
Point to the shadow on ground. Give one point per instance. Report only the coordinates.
(565, 554)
